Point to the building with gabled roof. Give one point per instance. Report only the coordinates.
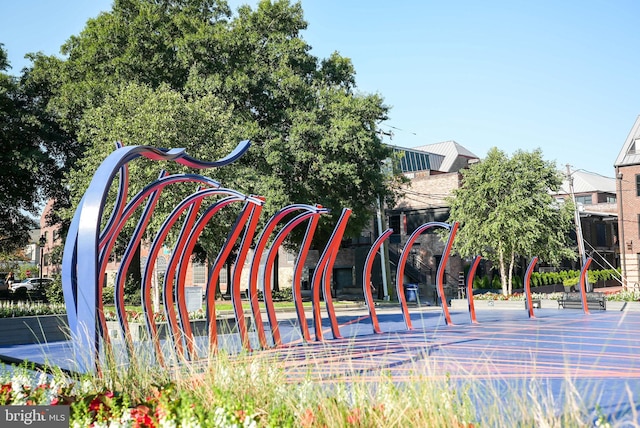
(627, 167)
(454, 157)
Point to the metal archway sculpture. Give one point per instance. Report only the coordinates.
(452, 228)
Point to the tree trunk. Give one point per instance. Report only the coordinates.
(510, 280)
(134, 271)
(503, 272)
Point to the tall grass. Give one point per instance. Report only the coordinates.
(257, 391)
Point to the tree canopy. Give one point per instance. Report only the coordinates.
(505, 209)
(189, 73)
(29, 167)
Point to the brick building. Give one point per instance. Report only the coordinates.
(627, 167)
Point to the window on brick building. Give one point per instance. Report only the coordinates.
(199, 273)
(584, 200)
(637, 184)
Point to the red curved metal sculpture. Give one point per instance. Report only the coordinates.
(366, 279)
(441, 269)
(470, 275)
(527, 286)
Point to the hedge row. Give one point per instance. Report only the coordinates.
(566, 277)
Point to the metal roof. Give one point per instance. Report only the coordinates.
(630, 153)
(588, 182)
(451, 152)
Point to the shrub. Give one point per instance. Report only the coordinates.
(53, 292)
(517, 281)
(495, 283)
(283, 294)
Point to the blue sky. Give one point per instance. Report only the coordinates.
(559, 76)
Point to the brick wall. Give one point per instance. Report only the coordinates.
(427, 191)
(629, 204)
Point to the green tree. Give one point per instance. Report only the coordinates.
(29, 168)
(505, 210)
(188, 73)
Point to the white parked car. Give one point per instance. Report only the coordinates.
(30, 284)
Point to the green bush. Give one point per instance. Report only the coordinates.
(536, 280)
(495, 283)
(285, 294)
(132, 291)
(53, 292)
(517, 281)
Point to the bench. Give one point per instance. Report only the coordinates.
(595, 301)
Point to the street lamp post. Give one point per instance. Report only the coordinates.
(41, 244)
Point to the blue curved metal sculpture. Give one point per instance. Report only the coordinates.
(84, 258)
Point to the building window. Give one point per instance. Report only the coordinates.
(584, 200)
(638, 225)
(601, 235)
(199, 273)
(394, 223)
(637, 184)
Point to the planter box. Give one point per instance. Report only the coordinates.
(623, 306)
(198, 328)
(34, 329)
(503, 304)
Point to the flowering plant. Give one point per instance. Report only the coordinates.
(10, 309)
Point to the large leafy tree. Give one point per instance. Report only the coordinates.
(189, 73)
(505, 210)
(29, 162)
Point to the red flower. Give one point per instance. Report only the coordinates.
(307, 419)
(96, 404)
(141, 417)
(354, 417)
(5, 393)
(160, 412)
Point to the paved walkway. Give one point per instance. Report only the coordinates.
(564, 353)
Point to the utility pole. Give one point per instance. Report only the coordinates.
(381, 223)
(623, 254)
(579, 238)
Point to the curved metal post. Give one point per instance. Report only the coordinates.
(322, 278)
(119, 285)
(153, 191)
(217, 265)
(403, 261)
(583, 281)
(154, 251)
(263, 240)
(253, 217)
(121, 196)
(270, 261)
(178, 289)
(527, 286)
(366, 278)
(470, 275)
(156, 246)
(441, 271)
(236, 298)
(297, 273)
